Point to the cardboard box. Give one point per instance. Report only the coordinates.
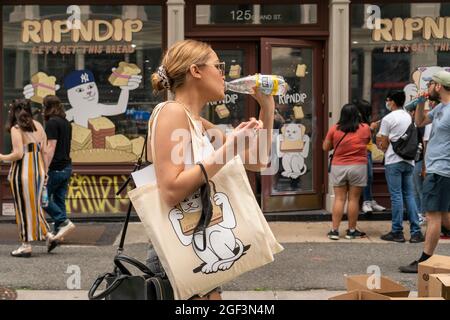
(435, 264)
(439, 286)
(360, 295)
(387, 287)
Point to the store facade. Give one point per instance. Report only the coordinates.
(92, 50)
(322, 48)
(411, 42)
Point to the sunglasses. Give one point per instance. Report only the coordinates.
(219, 66)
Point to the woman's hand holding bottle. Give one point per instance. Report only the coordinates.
(266, 102)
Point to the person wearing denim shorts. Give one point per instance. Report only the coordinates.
(436, 186)
(349, 139)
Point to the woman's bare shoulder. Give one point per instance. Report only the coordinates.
(38, 125)
(16, 129)
(173, 115)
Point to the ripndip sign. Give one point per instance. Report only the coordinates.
(47, 31)
(398, 29)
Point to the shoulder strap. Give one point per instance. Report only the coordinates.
(137, 166)
(152, 127)
(337, 145)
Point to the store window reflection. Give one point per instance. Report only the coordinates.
(379, 66)
(110, 60)
(294, 120)
(229, 113)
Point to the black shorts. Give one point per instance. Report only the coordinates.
(436, 193)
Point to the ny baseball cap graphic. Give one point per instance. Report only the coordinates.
(77, 77)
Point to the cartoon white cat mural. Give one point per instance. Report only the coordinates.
(293, 148)
(223, 249)
(83, 96)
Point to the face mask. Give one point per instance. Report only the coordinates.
(388, 106)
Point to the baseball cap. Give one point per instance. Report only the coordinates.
(78, 77)
(442, 77)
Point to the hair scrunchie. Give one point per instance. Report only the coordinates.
(162, 73)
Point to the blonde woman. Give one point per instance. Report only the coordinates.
(193, 72)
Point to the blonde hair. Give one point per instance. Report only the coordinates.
(176, 62)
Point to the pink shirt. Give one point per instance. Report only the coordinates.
(351, 150)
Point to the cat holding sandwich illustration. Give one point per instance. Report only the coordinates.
(83, 94)
(223, 249)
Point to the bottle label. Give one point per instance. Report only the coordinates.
(267, 84)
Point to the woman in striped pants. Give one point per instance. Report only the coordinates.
(27, 175)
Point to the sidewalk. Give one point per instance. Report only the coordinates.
(317, 265)
(226, 295)
(300, 232)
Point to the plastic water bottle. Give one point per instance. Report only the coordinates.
(44, 198)
(267, 84)
(419, 152)
(414, 102)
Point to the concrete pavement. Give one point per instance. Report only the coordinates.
(299, 232)
(310, 267)
(226, 295)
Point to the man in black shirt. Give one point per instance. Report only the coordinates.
(59, 136)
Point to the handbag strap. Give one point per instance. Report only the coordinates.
(137, 166)
(205, 191)
(207, 210)
(120, 258)
(117, 281)
(337, 145)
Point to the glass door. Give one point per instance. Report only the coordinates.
(240, 59)
(295, 180)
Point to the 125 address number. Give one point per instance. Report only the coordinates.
(246, 15)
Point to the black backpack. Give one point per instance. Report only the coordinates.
(407, 145)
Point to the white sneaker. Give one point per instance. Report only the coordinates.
(422, 219)
(367, 207)
(65, 228)
(376, 206)
(24, 251)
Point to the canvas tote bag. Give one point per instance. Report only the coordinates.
(238, 239)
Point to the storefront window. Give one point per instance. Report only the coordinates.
(230, 112)
(294, 120)
(100, 68)
(412, 43)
